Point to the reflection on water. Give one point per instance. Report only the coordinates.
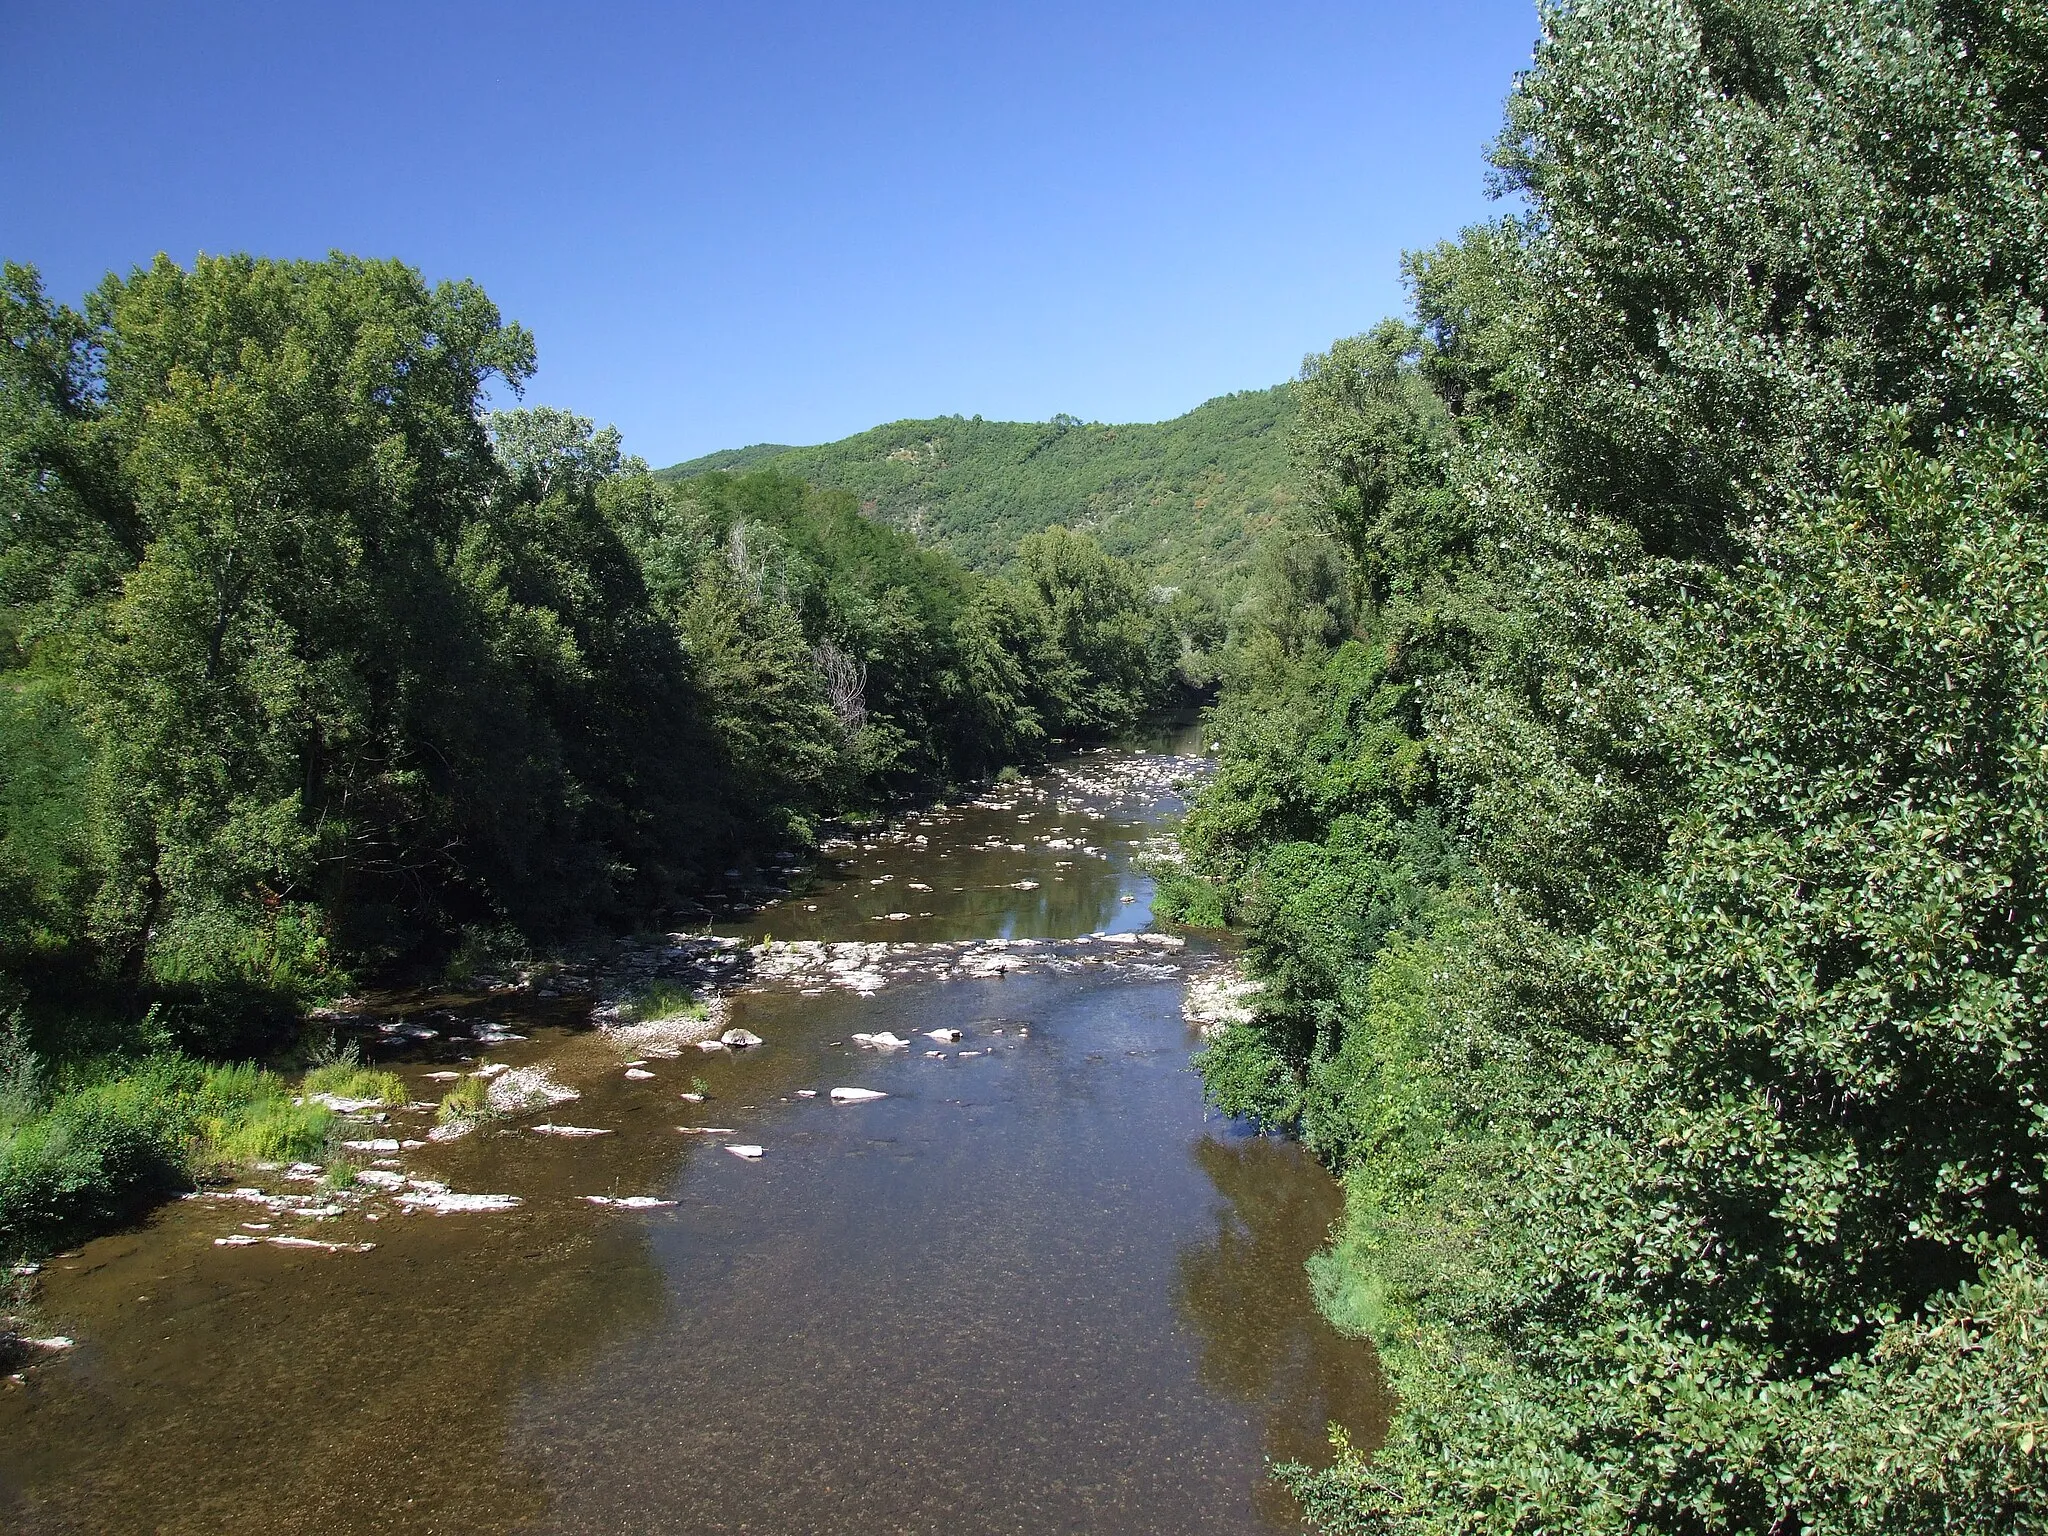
(1030, 1290)
(1244, 1291)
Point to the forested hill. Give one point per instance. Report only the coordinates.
(1184, 498)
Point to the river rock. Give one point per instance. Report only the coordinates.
(886, 1040)
(748, 1153)
(741, 1039)
(638, 1074)
(856, 1095)
(630, 1202)
(568, 1130)
(950, 1036)
(445, 1201)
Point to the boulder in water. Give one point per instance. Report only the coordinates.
(749, 1153)
(856, 1095)
(740, 1039)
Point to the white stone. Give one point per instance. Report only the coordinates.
(749, 1153)
(740, 1039)
(638, 1074)
(443, 1202)
(856, 1095)
(630, 1202)
(568, 1130)
(947, 1035)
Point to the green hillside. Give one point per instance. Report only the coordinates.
(728, 460)
(1182, 497)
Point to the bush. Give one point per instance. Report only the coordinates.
(97, 1151)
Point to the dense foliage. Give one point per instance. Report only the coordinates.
(309, 665)
(1631, 794)
(1183, 499)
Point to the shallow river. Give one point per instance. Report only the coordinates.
(1033, 1289)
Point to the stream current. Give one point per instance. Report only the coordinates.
(1034, 1288)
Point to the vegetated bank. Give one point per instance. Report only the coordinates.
(1632, 795)
(310, 668)
(1184, 500)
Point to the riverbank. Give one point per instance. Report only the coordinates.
(1028, 1283)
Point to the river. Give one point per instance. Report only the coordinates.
(1034, 1288)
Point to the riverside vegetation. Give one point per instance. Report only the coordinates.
(311, 669)
(1631, 745)
(1632, 795)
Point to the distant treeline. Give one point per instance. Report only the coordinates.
(309, 665)
(1632, 795)
(1184, 499)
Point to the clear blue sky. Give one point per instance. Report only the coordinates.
(768, 221)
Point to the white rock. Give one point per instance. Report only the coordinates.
(947, 1035)
(638, 1074)
(887, 1040)
(236, 1240)
(528, 1088)
(444, 1077)
(341, 1106)
(740, 1039)
(630, 1202)
(380, 1178)
(749, 1153)
(707, 1130)
(691, 1098)
(807, 1093)
(568, 1130)
(373, 1144)
(308, 1242)
(856, 1095)
(1025, 885)
(443, 1202)
(713, 1045)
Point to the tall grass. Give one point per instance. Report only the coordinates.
(468, 1102)
(353, 1080)
(660, 1000)
(93, 1150)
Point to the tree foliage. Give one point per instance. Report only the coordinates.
(310, 662)
(1654, 941)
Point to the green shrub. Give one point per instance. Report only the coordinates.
(99, 1149)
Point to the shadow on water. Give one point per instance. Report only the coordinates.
(1031, 1289)
(1244, 1291)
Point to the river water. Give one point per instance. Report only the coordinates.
(1035, 1288)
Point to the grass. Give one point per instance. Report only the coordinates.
(660, 1000)
(90, 1151)
(353, 1080)
(466, 1103)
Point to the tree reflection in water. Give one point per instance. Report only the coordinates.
(1245, 1293)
